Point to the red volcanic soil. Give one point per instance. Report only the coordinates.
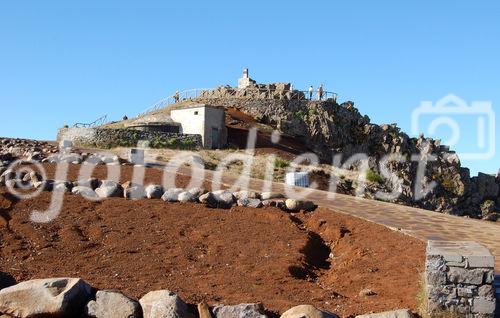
(230, 256)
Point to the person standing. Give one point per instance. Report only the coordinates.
(176, 96)
(320, 92)
(311, 90)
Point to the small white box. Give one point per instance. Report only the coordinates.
(300, 179)
(66, 144)
(136, 156)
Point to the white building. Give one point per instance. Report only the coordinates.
(207, 121)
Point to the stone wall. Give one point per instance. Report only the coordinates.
(110, 138)
(459, 278)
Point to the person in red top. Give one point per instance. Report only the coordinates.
(320, 92)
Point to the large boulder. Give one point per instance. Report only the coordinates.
(239, 311)
(154, 191)
(221, 199)
(110, 304)
(271, 195)
(58, 297)
(164, 304)
(250, 203)
(109, 189)
(172, 195)
(197, 192)
(307, 311)
(245, 194)
(85, 192)
(133, 191)
(297, 205)
(186, 196)
(402, 313)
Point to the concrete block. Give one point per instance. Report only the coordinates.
(483, 306)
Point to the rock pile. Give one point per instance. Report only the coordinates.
(11, 148)
(94, 189)
(73, 297)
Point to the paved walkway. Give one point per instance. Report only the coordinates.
(419, 223)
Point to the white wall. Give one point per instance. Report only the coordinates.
(201, 120)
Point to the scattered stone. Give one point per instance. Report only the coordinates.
(186, 196)
(197, 192)
(12, 183)
(402, 313)
(239, 311)
(109, 189)
(271, 195)
(154, 191)
(172, 195)
(85, 192)
(133, 191)
(250, 203)
(244, 194)
(297, 205)
(366, 292)
(279, 203)
(110, 304)
(45, 297)
(68, 158)
(164, 304)
(221, 199)
(45, 185)
(307, 311)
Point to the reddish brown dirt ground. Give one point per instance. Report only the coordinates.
(220, 256)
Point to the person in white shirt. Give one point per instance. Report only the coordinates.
(311, 90)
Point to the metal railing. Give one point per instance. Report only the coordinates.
(170, 100)
(248, 93)
(98, 122)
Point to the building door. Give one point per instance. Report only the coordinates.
(215, 138)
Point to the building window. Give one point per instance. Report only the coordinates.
(196, 112)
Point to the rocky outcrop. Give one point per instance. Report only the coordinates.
(329, 128)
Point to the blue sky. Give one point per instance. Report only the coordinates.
(73, 61)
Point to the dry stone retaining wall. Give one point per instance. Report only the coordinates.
(109, 138)
(459, 278)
